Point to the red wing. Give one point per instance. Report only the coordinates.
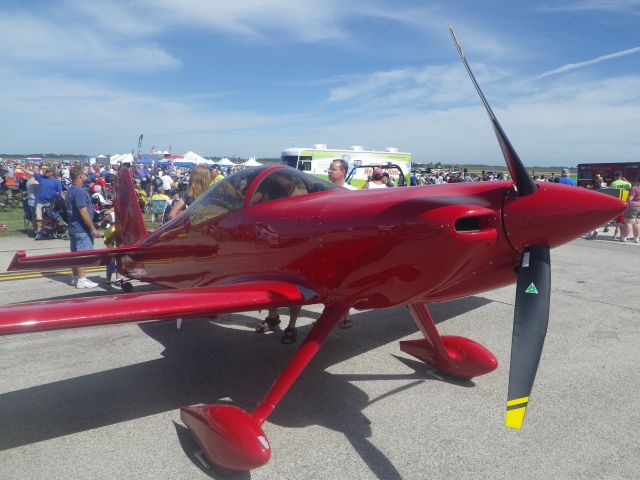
(85, 258)
(166, 304)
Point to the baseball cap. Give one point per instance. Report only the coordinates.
(377, 171)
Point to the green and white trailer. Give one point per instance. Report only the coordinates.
(316, 160)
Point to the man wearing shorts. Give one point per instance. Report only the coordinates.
(81, 228)
(50, 189)
(632, 213)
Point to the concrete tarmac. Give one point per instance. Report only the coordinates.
(103, 402)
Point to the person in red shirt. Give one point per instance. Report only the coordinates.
(102, 182)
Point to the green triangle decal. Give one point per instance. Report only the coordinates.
(531, 289)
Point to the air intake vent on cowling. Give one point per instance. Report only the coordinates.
(475, 224)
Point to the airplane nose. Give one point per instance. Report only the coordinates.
(555, 214)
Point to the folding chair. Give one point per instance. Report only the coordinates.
(158, 206)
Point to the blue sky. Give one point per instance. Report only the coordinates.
(253, 77)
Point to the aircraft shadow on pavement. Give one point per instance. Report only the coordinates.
(206, 362)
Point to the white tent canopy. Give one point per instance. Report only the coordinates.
(251, 162)
(195, 158)
(121, 158)
(225, 162)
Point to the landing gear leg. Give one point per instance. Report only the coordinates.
(231, 437)
(455, 356)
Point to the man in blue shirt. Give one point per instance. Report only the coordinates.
(564, 178)
(144, 176)
(81, 228)
(50, 189)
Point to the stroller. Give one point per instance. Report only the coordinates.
(54, 221)
(99, 207)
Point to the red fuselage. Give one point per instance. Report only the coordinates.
(376, 248)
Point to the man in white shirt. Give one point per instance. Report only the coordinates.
(338, 172)
(167, 182)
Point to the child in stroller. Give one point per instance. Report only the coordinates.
(54, 221)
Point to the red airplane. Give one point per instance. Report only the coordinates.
(271, 237)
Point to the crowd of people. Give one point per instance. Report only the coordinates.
(437, 177)
(78, 198)
(627, 225)
(463, 175)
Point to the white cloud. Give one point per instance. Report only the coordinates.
(593, 61)
(62, 115)
(434, 20)
(555, 124)
(44, 42)
(560, 123)
(429, 86)
(543, 134)
(129, 34)
(625, 7)
(112, 17)
(303, 20)
(312, 21)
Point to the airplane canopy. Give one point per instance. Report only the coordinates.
(231, 192)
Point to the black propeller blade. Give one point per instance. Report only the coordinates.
(529, 329)
(534, 283)
(524, 183)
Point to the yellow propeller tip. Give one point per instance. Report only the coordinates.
(515, 417)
